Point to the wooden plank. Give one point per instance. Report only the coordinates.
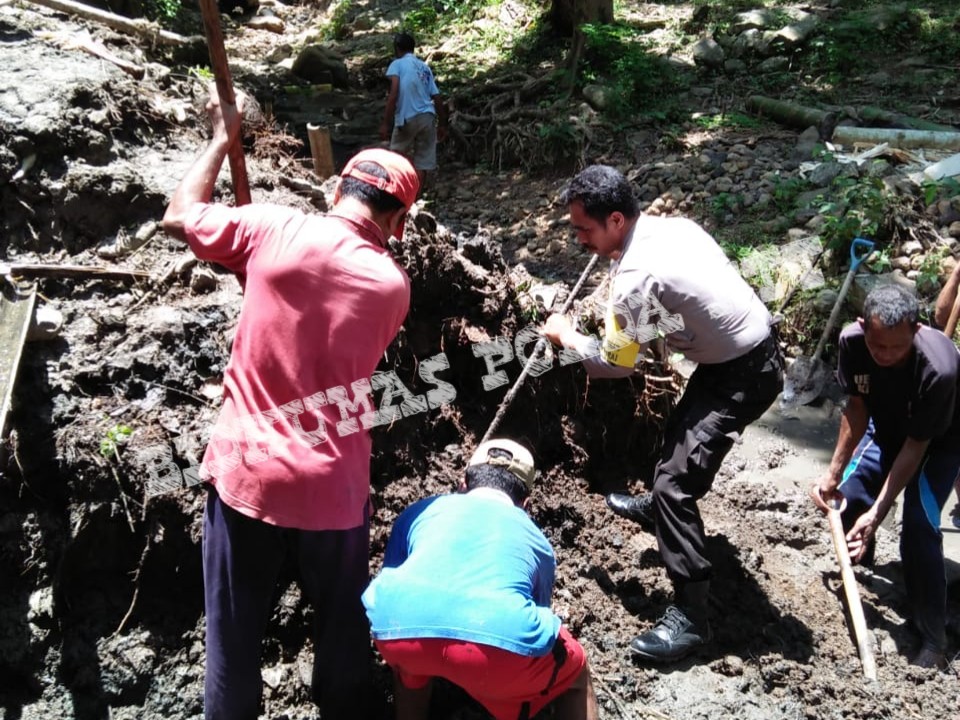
(16, 312)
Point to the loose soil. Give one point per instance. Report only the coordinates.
(101, 614)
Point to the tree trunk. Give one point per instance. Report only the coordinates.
(568, 14)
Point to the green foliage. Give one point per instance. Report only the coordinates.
(736, 251)
(879, 261)
(928, 277)
(428, 17)
(935, 190)
(785, 192)
(726, 120)
(338, 20)
(938, 36)
(857, 209)
(560, 142)
(850, 45)
(114, 438)
(722, 204)
(616, 56)
(163, 9)
(201, 73)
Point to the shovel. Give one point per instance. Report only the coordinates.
(807, 376)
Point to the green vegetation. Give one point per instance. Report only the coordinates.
(201, 73)
(163, 9)
(857, 208)
(928, 279)
(114, 438)
(618, 57)
(726, 120)
(939, 189)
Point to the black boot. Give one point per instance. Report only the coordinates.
(682, 629)
(639, 509)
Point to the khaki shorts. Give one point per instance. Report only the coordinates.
(417, 139)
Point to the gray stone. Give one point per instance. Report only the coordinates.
(734, 66)
(754, 20)
(796, 33)
(911, 247)
(752, 42)
(777, 63)
(599, 96)
(806, 143)
(706, 51)
(319, 64)
(863, 283)
(901, 262)
(825, 173)
(825, 300)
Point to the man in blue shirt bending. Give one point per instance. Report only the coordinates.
(464, 594)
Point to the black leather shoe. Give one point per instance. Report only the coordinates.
(928, 658)
(639, 509)
(672, 638)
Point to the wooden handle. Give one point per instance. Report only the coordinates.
(951, 327)
(221, 73)
(864, 646)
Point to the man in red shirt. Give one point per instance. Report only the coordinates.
(288, 467)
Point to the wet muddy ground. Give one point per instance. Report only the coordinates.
(101, 609)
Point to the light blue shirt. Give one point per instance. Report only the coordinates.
(417, 88)
(466, 567)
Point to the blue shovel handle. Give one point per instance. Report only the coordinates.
(860, 250)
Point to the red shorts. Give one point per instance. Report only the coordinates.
(500, 680)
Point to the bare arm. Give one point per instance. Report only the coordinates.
(559, 330)
(904, 468)
(853, 425)
(947, 298)
(391, 108)
(197, 185)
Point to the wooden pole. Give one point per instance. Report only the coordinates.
(321, 150)
(221, 73)
(853, 596)
(538, 350)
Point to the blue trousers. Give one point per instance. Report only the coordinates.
(242, 560)
(921, 542)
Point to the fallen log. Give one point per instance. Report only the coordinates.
(792, 115)
(897, 137)
(149, 30)
(876, 115)
(44, 270)
(83, 41)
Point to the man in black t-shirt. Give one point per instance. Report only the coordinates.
(900, 432)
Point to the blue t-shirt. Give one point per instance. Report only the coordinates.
(417, 88)
(466, 567)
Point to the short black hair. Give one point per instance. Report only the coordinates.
(891, 305)
(498, 478)
(403, 41)
(602, 190)
(379, 200)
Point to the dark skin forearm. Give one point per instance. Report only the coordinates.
(853, 425)
(197, 185)
(947, 298)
